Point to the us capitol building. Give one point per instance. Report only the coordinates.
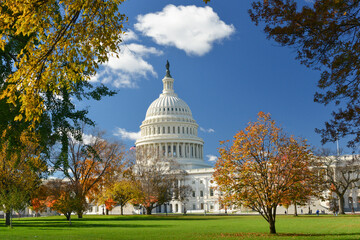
(169, 128)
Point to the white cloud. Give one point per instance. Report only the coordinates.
(125, 135)
(88, 138)
(210, 130)
(189, 28)
(129, 67)
(212, 158)
(129, 35)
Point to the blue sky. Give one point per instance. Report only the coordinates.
(224, 69)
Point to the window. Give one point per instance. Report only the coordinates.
(201, 193)
(178, 129)
(183, 130)
(193, 194)
(211, 192)
(176, 208)
(173, 129)
(168, 129)
(211, 207)
(202, 206)
(201, 181)
(194, 207)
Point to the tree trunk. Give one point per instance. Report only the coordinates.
(107, 211)
(68, 217)
(272, 226)
(122, 209)
(7, 218)
(295, 210)
(341, 204)
(80, 215)
(148, 210)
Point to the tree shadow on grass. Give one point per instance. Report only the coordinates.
(111, 218)
(285, 235)
(87, 225)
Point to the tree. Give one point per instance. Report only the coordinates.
(182, 194)
(155, 178)
(20, 175)
(341, 173)
(325, 35)
(88, 165)
(65, 38)
(109, 205)
(60, 197)
(123, 192)
(261, 166)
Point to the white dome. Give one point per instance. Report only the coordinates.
(170, 130)
(168, 105)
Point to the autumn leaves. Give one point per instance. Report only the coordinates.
(264, 167)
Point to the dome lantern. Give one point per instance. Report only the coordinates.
(168, 82)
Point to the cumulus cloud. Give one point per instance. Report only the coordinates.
(210, 130)
(189, 28)
(129, 67)
(211, 158)
(129, 35)
(126, 135)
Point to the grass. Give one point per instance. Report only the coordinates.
(183, 227)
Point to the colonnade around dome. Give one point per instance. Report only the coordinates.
(174, 149)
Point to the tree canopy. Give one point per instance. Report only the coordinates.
(325, 34)
(65, 38)
(263, 167)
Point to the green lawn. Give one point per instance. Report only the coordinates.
(183, 227)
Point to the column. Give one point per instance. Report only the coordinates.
(172, 150)
(354, 197)
(183, 150)
(177, 150)
(346, 201)
(206, 189)
(166, 150)
(188, 150)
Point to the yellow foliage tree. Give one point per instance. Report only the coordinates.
(66, 38)
(20, 175)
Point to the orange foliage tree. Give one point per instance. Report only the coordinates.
(88, 165)
(262, 167)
